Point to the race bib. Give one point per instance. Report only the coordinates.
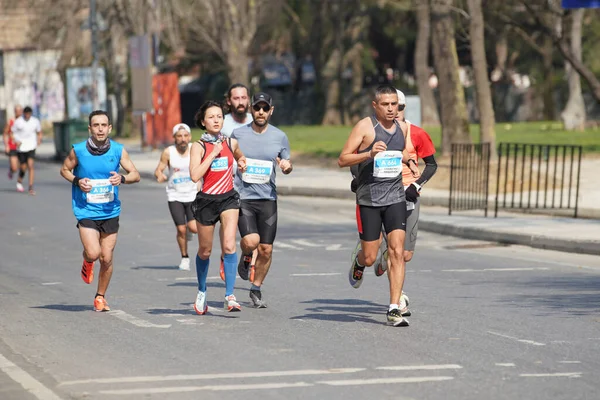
(27, 145)
(387, 164)
(180, 178)
(102, 191)
(219, 164)
(257, 171)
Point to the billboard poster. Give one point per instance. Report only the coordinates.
(80, 92)
(581, 3)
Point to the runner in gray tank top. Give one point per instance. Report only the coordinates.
(376, 145)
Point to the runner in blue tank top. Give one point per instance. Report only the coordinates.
(92, 168)
(377, 146)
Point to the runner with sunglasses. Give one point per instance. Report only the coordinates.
(266, 148)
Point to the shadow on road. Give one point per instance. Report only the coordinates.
(343, 310)
(66, 307)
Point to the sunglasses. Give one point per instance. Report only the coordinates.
(401, 107)
(265, 108)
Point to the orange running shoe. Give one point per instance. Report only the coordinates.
(87, 272)
(100, 304)
(222, 269)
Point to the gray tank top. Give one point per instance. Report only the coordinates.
(380, 191)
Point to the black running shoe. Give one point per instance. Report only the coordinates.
(256, 297)
(394, 318)
(244, 266)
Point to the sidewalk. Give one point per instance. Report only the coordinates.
(554, 233)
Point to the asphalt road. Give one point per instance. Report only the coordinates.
(489, 322)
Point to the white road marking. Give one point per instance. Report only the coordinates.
(496, 269)
(355, 382)
(551, 375)
(517, 339)
(215, 309)
(193, 278)
(334, 247)
(28, 382)
(51, 283)
(181, 389)
(232, 375)
(122, 315)
(302, 242)
(287, 246)
(505, 365)
(570, 362)
(318, 274)
(420, 367)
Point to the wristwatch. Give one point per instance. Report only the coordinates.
(122, 179)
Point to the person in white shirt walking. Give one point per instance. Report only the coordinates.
(26, 132)
(181, 190)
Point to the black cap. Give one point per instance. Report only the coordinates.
(262, 97)
(27, 110)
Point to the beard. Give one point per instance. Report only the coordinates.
(261, 123)
(240, 111)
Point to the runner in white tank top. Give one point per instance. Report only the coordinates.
(181, 190)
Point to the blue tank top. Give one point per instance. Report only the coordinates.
(102, 202)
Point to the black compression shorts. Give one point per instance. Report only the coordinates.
(369, 220)
(259, 216)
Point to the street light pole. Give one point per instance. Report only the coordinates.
(94, 31)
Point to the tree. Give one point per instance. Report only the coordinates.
(455, 123)
(573, 116)
(429, 110)
(487, 118)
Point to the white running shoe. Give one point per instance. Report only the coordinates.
(184, 265)
(231, 304)
(200, 305)
(404, 305)
(20, 187)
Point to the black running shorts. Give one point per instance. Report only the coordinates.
(181, 212)
(259, 216)
(207, 208)
(107, 226)
(369, 220)
(24, 156)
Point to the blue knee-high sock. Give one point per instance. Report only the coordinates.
(230, 261)
(202, 272)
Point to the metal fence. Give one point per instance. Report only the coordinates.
(469, 177)
(533, 176)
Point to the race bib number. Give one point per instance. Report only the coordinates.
(180, 178)
(219, 164)
(102, 191)
(387, 164)
(257, 171)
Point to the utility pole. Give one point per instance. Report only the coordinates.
(94, 31)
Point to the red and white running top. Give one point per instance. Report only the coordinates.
(219, 177)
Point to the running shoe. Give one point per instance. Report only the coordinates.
(355, 275)
(231, 304)
(20, 187)
(87, 272)
(200, 306)
(404, 305)
(257, 301)
(382, 257)
(100, 304)
(222, 269)
(31, 191)
(244, 266)
(394, 318)
(184, 265)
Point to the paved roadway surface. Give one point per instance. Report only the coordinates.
(488, 321)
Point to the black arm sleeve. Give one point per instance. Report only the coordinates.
(429, 171)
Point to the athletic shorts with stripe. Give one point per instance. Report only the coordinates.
(369, 220)
(259, 216)
(412, 227)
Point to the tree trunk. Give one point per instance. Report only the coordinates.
(487, 119)
(573, 116)
(455, 123)
(332, 88)
(548, 82)
(237, 63)
(429, 110)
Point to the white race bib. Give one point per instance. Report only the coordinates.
(27, 145)
(387, 164)
(219, 164)
(180, 179)
(102, 191)
(258, 171)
